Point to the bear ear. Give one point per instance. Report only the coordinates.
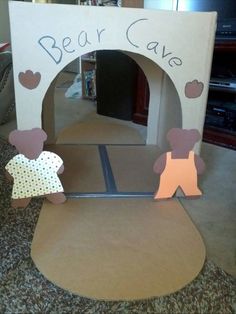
(13, 137)
(40, 134)
(195, 135)
(44, 135)
(174, 134)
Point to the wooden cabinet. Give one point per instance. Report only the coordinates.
(220, 122)
(140, 112)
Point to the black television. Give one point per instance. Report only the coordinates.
(226, 9)
(226, 13)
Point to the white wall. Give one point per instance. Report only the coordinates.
(160, 4)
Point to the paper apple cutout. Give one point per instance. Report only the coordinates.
(29, 80)
(193, 89)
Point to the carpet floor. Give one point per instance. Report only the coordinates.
(24, 289)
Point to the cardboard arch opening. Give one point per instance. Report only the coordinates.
(164, 101)
(175, 41)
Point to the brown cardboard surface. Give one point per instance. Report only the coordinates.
(117, 249)
(183, 52)
(83, 171)
(132, 167)
(99, 132)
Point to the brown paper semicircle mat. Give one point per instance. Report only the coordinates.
(99, 131)
(117, 249)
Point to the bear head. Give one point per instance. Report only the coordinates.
(28, 142)
(183, 139)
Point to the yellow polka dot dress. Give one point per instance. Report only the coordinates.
(35, 177)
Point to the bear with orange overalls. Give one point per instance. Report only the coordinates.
(180, 166)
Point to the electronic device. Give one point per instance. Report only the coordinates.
(226, 27)
(223, 83)
(221, 115)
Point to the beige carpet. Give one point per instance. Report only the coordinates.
(99, 131)
(117, 249)
(132, 167)
(83, 171)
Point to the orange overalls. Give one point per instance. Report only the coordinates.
(178, 173)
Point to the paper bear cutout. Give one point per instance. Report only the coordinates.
(180, 166)
(34, 172)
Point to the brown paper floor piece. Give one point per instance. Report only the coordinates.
(132, 167)
(83, 170)
(98, 131)
(117, 249)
